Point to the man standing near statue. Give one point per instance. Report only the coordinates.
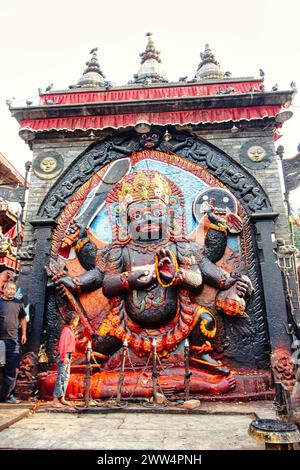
(12, 316)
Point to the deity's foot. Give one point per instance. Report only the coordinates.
(230, 381)
(206, 362)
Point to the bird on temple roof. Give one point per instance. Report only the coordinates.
(229, 90)
(94, 50)
(275, 87)
(49, 87)
(29, 103)
(108, 85)
(261, 73)
(293, 86)
(183, 79)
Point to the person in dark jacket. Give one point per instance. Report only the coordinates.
(12, 317)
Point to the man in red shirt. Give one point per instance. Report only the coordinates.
(66, 347)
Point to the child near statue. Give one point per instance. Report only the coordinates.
(66, 347)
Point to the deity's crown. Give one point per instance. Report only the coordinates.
(143, 185)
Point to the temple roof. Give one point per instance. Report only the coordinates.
(94, 104)
(150, 70)
(92, 76)
(162, 105)
(9, 176)
(209, 67)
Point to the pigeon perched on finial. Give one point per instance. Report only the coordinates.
(94, 50)
(261, 73)
(183, 79)
(275, 87)
(49, 87)
(29, 103)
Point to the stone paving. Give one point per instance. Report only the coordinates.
(219, 426)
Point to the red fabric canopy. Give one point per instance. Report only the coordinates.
(174, 117)
(9, 263)
(135, 94)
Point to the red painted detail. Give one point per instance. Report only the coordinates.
(196, 116)
(241, 384)
(136, 94)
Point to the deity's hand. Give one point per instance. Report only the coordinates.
(243, 284)
(217, 215)
(141, 279)
(63, 282)
(180, 277)
(166, 264)
(74, 233)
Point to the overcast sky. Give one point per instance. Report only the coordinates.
(49, 42)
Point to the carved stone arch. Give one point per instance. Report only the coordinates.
(236, 178)
(217, 163)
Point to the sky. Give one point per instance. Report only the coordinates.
(49, 42)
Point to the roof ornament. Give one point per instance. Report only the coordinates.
(209, 67)
(93, 76)
(150, 70)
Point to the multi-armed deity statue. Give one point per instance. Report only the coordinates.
(153, 275)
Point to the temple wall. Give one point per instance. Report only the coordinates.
(69, 151)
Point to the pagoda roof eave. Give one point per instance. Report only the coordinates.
(133, 85)
(235, 100)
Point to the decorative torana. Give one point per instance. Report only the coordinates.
(152, 272)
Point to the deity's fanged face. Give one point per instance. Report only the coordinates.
(147, 220)
(146, 206)
(150, 139)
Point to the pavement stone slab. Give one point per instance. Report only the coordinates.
(221, 426)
